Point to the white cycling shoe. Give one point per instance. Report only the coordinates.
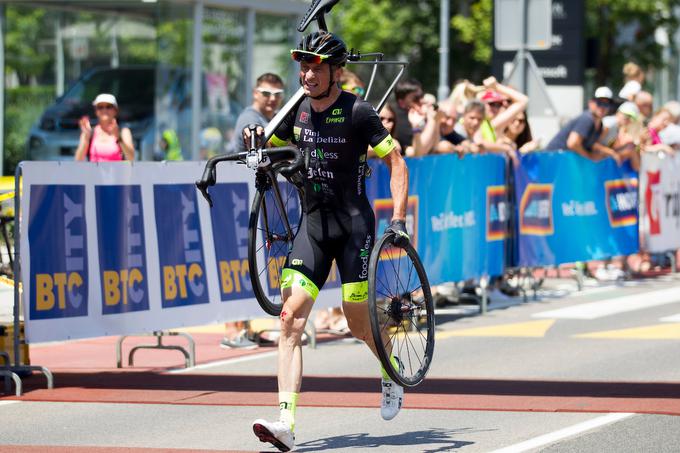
(276, 433)
(392, 397)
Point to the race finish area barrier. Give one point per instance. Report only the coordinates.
(660, 204)
(119, 249)
(572, 209)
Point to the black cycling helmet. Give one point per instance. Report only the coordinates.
(329, 47)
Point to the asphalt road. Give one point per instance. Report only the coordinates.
(596, 371)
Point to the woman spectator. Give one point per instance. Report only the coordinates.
(651, 141)
(634, 77)
(107, 141)
(518, 134)
(622, 132)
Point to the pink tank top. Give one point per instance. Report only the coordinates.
(104, 151)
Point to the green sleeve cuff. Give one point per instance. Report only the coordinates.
(385, 147)
(276, 141)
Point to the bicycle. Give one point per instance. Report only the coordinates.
(400, 301)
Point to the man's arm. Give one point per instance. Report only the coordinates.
(575, 143)
(606, 151)
(398, 183)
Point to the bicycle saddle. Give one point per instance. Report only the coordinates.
(317, 11)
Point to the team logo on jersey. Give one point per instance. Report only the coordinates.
(336, 117)
(304, 117)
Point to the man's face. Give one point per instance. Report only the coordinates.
(645, 104)
(471, 121)
(448, 118)
(599, 107)
(267, 98)
(316, 77)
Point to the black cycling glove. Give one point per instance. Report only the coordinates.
(398, 228)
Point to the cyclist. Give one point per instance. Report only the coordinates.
(335, 128)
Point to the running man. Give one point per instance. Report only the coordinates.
(335, 128)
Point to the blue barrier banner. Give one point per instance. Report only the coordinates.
(230, 238)
(572, 209)
(58, 252)
(122, 249)
(180, 246)
(457, 213)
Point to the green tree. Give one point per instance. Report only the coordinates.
(476, 30)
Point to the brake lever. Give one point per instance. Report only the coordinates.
(209, 178)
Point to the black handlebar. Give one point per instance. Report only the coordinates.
(279, 154)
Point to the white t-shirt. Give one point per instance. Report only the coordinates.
(670, 135)
(631, 88)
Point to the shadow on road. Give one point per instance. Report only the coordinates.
(429, 441)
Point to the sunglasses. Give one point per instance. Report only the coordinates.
(520, 120)
(602, 103)
(389, 119)
(104, 107)
(496, 105)
(269, 93)
(359, 91)
(309, 57)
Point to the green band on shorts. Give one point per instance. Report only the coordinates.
(291, 278)
(355, 292)
(276, 141)
(385, 147)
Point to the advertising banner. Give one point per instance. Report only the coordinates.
(133, 248)
(572, 209)
(456, 215)
(660, 202)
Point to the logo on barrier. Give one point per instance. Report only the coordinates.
(180, 245)
(652, 194)
(535, 210)
(122, 259)
(383, 216)
(57, 236)
(621, 199)
(230, 238)
(497, 214)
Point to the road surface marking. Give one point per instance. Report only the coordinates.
(594, 310)
(531, 329)
(204, 366)
(564, 433)
(5, 403)
(674, 318)
(655, 332)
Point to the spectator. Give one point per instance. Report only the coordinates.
(473, 116)
(449, 139)
(645, 103)
(462, 93)
(107, 141)
(518, 135)
(388, 117)
(670, 135)
(581, 134)
(408, 94)
(622, 132)
(503, 104)
(210, 142)
(634, 77)
(652, 142)
(267, 98)
(170, 145)
(351, 82)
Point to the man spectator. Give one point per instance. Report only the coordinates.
(581, 134)
(645, 103)
(267, 97)
(408, 94)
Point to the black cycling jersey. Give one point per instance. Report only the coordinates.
(339, 222)
(337, 140)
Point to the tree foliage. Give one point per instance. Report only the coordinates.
(476, 29)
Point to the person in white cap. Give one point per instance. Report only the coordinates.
(582, 133)
(623, 133)
(107, 141)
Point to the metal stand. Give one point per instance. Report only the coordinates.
(189, 357)
(484, 284)
(17, 369)
(674, 264)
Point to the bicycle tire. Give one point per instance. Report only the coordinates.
(399, 299)
(269, 242)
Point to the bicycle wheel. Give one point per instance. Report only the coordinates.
(401, 311)
(274, 221)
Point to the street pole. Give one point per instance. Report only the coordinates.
(444, 26)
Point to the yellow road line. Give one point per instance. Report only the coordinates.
(654, 332)
(531, 329)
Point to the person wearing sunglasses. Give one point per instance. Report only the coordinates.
(334, 128)
(582, 133)
(106, 141)
(351, 82)
(267, 98)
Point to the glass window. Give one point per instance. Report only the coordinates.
(274, 37)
